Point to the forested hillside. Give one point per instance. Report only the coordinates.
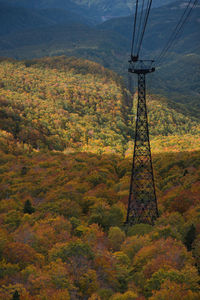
(62, 233)
(50, 32)
(47, 105)
(66, 144)
(63, 103)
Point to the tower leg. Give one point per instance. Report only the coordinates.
(142, 204)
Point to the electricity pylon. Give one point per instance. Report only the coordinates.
(142, 203)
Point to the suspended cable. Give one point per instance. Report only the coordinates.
(177, 30)
(145, 24)
(140, 22)
(172, 37)
(134, 30)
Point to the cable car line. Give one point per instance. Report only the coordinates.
(174, 34)
(140, 22)
(145, 24)
(134, 30)
(177, 30)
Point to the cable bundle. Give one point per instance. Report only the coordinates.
(177, 30)
(142, 12)
(139, 28)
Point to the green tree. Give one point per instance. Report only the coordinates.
(28, 208)
(116, 237)
(16, 296)
(190, 237)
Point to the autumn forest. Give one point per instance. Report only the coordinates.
(66, 146)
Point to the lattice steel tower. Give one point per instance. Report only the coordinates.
(142, 203)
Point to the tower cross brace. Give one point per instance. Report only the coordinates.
(142, 202)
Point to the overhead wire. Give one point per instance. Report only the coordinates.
(140, 21)
(177, 30)
(134, 29)
(139, 27)
(141, 24)
(174, 34)
(144, 26)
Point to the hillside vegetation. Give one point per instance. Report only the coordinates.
(64, 103)
(66, 145)
(62, 233)
(58, 108)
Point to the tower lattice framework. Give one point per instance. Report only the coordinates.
(142, 203)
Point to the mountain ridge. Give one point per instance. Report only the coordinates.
(96, 10)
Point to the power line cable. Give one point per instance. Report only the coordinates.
(172, 36)
(145, 24)
(140, 22)
(177, 30)
(134, 29)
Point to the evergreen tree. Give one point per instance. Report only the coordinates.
(24, 171)
(190, 237)
(16, 296)
(28, 208)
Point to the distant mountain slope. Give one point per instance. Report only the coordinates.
(109, 44)
(161, 23)
(78, 40)
(63, 103)
(18, 19)
(96, 10)
(178, 76)
(179, 80)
